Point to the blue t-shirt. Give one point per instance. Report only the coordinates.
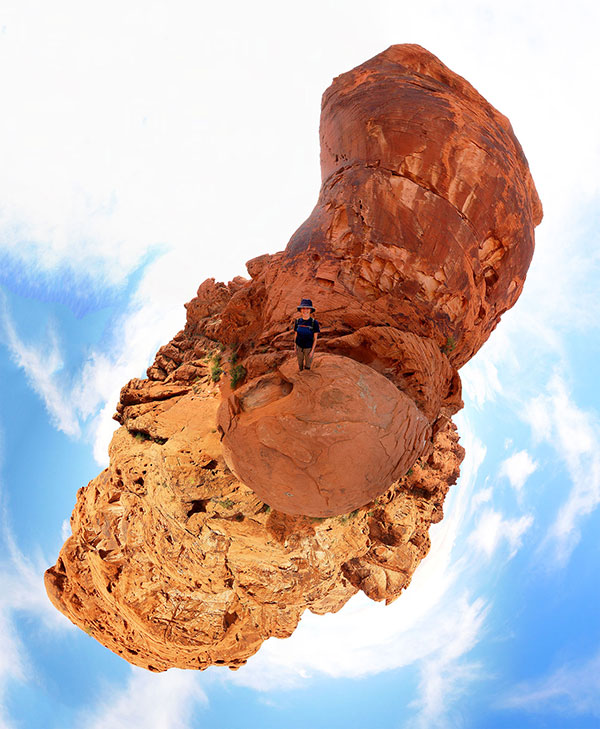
(305, 329)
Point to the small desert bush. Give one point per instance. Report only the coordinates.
(449, 345)
(215, 368)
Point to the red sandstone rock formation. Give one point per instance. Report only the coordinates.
(420, 240)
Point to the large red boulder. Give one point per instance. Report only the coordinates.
(323, 441)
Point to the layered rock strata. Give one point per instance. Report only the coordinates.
(240, 492)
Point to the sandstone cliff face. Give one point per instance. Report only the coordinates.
(231, 507)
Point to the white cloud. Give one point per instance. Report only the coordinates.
(152, 154)
(492, 528)
(42, 365)
(481, 383)
(154, 701)
(482, 496)
(571, 690)
(65, 530)
(537, 414)
(574, 434)
(483, 376)
(444, 676)
(518, 468)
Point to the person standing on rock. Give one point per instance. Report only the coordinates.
(307, 332)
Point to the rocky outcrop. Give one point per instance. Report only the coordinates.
(174, 562)
(240, 492)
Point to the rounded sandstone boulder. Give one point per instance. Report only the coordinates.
(324, 441)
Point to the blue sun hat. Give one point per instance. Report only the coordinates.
(306, 304)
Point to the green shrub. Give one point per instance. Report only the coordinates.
(450, 344)
(238, 372)
(215, 368)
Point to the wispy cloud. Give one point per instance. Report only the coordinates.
(42, 364)
(65, 530)
(154, 701)
(480, 377)
(494, 528)
(518, 468)
(482, 496)
(445, 676)
(571, 690)
(574, 434)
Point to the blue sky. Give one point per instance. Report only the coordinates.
(148, 146)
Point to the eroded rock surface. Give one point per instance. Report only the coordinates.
(174, 562)
(420, 240)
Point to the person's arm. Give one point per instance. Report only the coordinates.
(316, 330)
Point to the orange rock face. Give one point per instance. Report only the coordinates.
(228, 509)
